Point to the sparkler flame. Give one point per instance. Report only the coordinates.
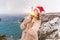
(32, 13)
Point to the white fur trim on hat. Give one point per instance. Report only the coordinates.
(38, 10)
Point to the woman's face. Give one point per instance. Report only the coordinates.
(35, 12)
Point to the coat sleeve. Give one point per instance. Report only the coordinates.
(24, 23)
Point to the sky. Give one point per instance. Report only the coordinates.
(17, 7)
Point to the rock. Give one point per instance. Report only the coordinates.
(0, 19)
(50, 27)
(3, 37)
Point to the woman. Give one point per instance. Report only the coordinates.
(31, 25)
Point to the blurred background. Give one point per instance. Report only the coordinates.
(13, 11)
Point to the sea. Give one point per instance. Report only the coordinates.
(10, 26)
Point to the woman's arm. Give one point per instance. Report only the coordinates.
(24, 23)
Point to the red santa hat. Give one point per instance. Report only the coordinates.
(40, 9)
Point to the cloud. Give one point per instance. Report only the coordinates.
(16, 6)
(24, 6)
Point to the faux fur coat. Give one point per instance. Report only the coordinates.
(30, 28)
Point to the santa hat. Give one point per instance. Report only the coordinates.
(40, 9)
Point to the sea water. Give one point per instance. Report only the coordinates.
(10, 26)
(11, 29)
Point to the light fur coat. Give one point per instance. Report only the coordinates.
(30, 28)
